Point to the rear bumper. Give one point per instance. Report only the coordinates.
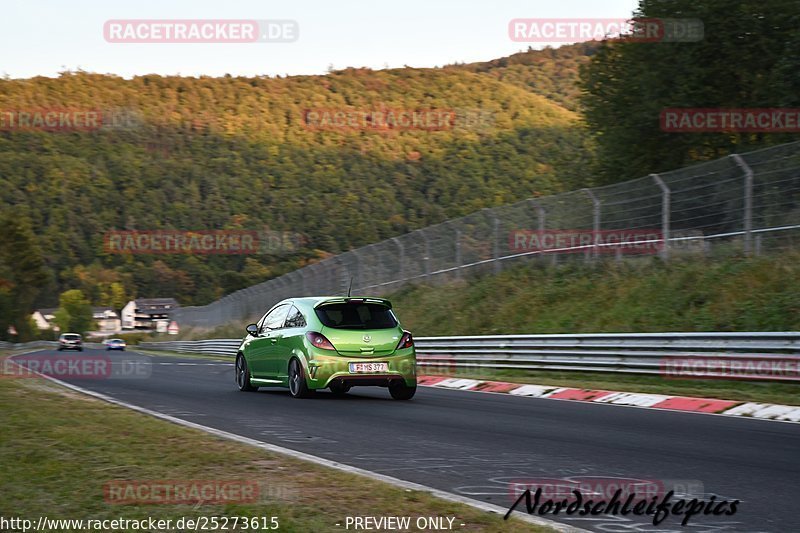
(376, 380)
(326, 369)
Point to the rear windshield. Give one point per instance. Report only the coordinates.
(356, 316)
(72, 337)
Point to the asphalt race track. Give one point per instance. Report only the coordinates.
(477, 444)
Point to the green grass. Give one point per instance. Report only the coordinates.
(58, 448)
(734, 294)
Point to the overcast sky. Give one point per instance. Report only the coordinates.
(46, 37)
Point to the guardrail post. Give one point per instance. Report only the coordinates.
(748, 203)
(595, 220)
(401, 257)
(665, 211)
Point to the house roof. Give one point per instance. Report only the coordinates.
(151, 302)
(155, 305)
(47, 311)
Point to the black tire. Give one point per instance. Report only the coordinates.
(242, 375)
(80, 349)
(298, 387)
(338, 389)
(400, 391)
(60, 348)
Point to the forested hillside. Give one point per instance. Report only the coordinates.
(552, 72)
(239, 153)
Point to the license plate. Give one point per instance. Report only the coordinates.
(360, 368)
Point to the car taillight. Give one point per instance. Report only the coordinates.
(318, 340)
(406, 341)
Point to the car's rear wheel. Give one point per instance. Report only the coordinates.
(339, 389)
(243, 375)
(298, 387)
(400, 391)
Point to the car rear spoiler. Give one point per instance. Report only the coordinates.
(355, 299)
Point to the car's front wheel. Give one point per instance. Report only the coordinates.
(243, 375)
(298, 387)
(400, 391)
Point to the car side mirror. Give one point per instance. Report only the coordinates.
(252, 329)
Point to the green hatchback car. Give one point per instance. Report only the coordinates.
(337, 343)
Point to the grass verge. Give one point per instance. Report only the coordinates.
(646, 295)
(58, 449)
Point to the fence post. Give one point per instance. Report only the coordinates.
(427, 257)
(496, 245)
(748, 203)
(401, 257)
(541, 215)
(458, 253)
(665, 211)
(595, 220)
(358, 275)
(314, 285)
(302, 273)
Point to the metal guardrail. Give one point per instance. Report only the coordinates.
(632, 353)
(44, 344)
(27, 345)
(209, 347)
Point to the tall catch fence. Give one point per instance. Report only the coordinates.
(744, 203)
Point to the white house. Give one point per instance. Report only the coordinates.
(148, 313)
(107, 319)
